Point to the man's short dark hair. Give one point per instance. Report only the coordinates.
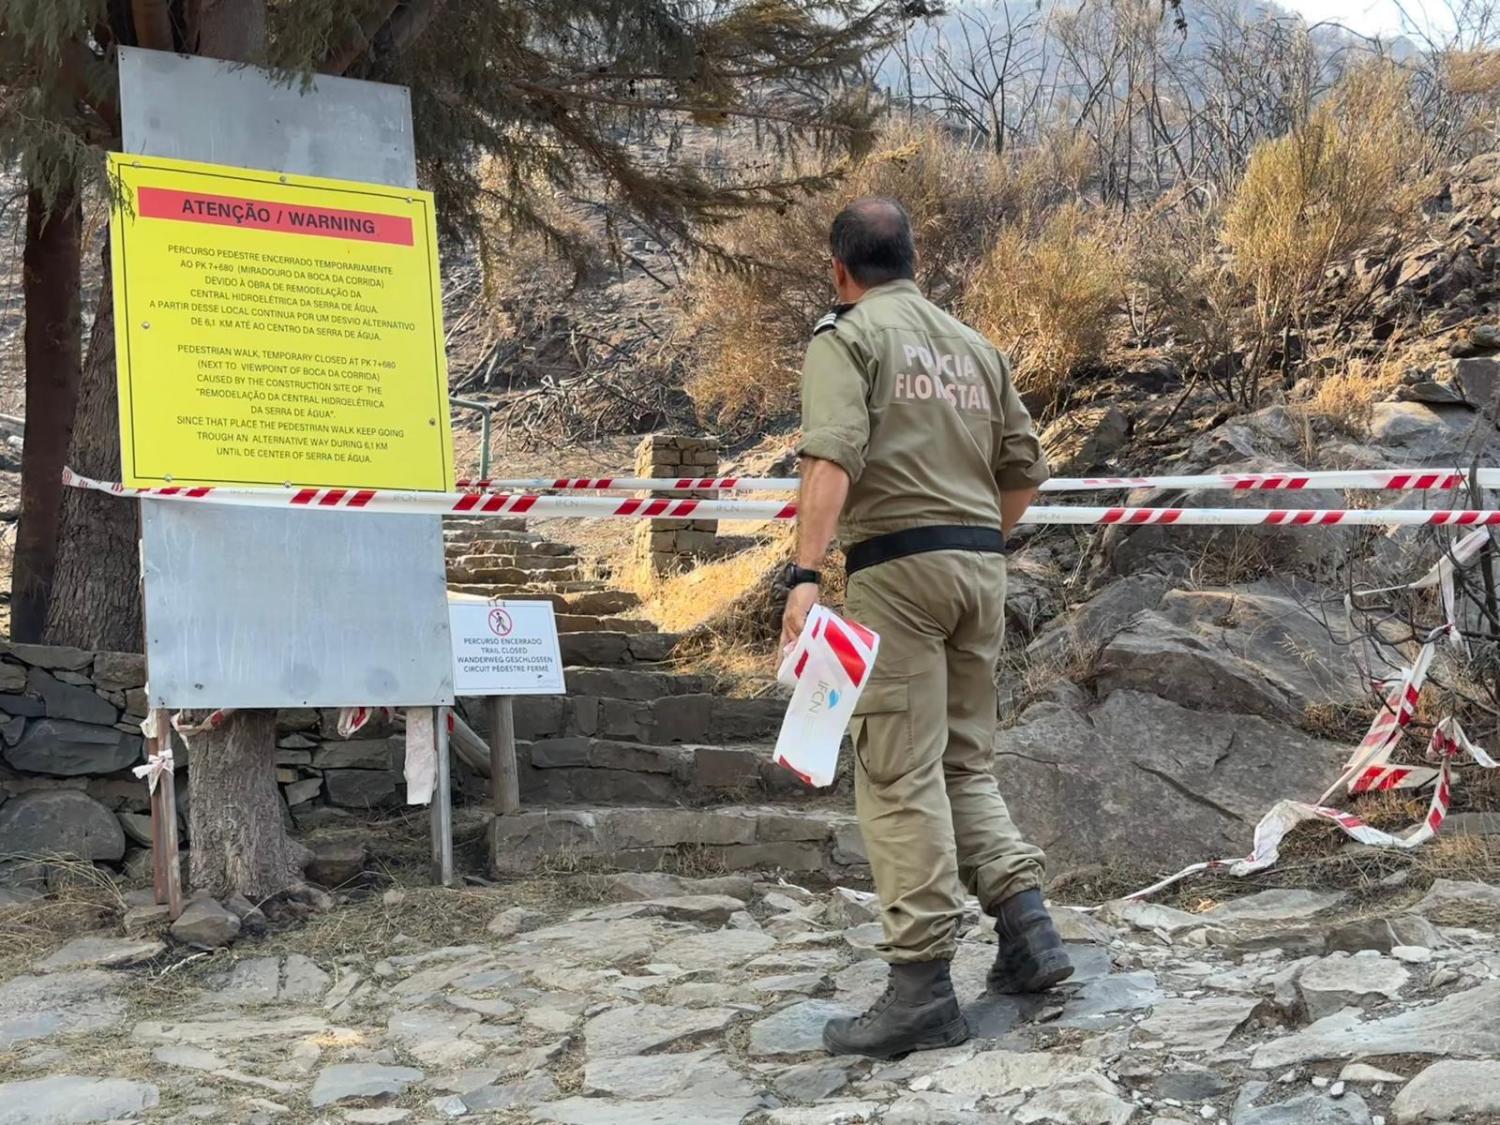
(872, 238)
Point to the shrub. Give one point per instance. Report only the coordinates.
(1351, 171)
(752, 307)
(1046, 292)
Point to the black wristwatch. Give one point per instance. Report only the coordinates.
(795, 575)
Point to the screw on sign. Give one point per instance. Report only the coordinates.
(500, 623)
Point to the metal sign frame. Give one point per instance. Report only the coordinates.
(194, 108)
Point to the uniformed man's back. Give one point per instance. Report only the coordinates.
(917, 450)
(947, 429)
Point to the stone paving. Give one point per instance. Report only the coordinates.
(700, 1002)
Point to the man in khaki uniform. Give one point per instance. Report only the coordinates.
(918, 452)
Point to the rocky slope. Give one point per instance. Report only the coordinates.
(691, 1002)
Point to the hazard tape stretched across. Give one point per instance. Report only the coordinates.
(596, 507)
(1395, 480)
(1369, 768)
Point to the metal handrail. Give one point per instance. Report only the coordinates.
(486, 409)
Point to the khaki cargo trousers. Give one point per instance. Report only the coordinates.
(933, 821)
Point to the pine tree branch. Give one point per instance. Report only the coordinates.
(709, 109)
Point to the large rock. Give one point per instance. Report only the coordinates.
(1273, 548)
(65, 1099)
(336, 862)
(56, 658)
(644, 1028)
(66, 748)
(205, 924)
(1158, 780)
(636, 885)
(1339, 981)
(54, 822)
(97, 951)
(348, 1081)
(1464, 1024)
(999, 1072)
(1071, 640)
(361, 789)
(1090, 1098)
(656, 1076)
(59, 1004)
(119, 671)
(1275, 648)
(1084, 438)
(1449, 1090)
(1417, 434)
(67, 701)
(1310, 1108)
(797, 1029)
(1200, 1023)
(1461, 902)
(362, 754)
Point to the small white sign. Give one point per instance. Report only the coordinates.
(505, 648)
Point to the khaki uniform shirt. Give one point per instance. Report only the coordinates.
(920, 411)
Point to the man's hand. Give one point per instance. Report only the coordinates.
(799, 603)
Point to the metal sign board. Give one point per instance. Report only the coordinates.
(276, 330)
(249, 607)
(304, 573)
(505, 648)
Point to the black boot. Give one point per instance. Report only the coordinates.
(918, 1012)
(1031, 957)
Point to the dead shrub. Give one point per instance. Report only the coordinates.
(749, 320)
(1346, 398)
(1348, 174)
(531, 252)
(1046, 292)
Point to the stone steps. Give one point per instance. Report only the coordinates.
(732, 837)
(539, 564)
(597, 605)
(587, 623)
(622, 648)
(487, 573)
(632, 683)
(693, 717)
(600, 771)
(513, 545)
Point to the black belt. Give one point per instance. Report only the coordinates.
(919, 540)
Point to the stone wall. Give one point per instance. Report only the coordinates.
(669, 545)
(70, 733)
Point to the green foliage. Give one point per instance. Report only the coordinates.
(562, 92)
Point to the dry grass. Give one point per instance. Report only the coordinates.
(683, 602)
(1350, 172)
(1046, 292)
(749, 325)
(1347, 397)
(80, 897)
(728, 609)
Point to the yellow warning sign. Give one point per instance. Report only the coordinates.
(275, 330)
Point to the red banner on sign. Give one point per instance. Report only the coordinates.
(284, 218)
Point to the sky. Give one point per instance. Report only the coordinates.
(1372, 17)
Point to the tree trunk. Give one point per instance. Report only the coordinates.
(238, 836)
(239, 841)
(54, 349)
(96, 595)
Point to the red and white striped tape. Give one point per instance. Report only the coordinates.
(1396, 480)
(596, 507)
(1369, 768)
